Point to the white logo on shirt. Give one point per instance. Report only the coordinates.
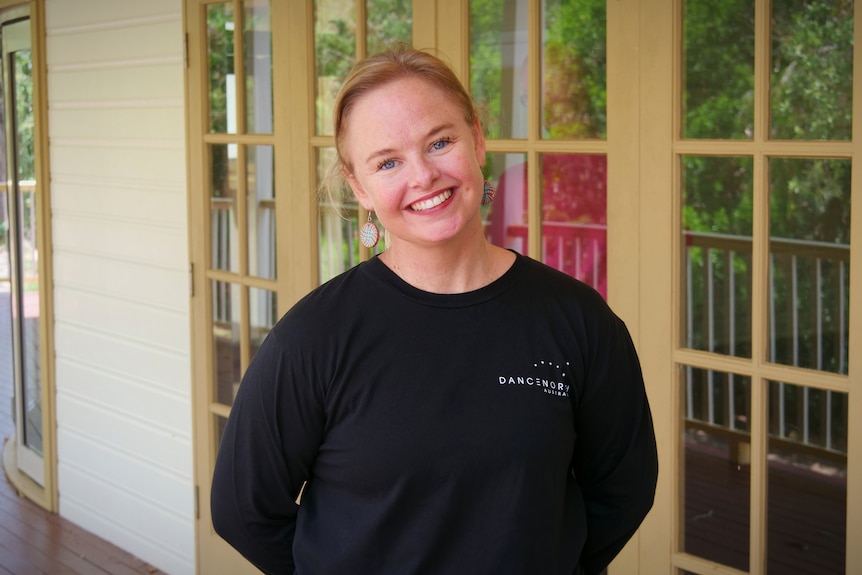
(552, 385)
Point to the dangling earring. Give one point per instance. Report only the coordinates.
(369, 233)
(488, 193)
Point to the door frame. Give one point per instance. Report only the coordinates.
(45, 495)
(294, 211)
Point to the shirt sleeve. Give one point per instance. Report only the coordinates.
(615, 459)
(269, 443)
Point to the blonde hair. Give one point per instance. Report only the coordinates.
(397, 62)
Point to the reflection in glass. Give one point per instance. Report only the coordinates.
(506, 217)
(574, 66)
(338, 227)
(388, 22)
(717, 230)
(716, 441)
(807, 480)
(574, 216)
(260, 188)
(257, 50)
(718, 73)
(223, 223)
(227, 361)
(26, 258)
(574, 212)
(263, 313)
(338, 240)
(498, 65)
(222, 79)
(809, 283)
(7, 245)
(335, 53)
(812, 69)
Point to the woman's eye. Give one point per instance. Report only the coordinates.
(441, 143)
(386, 165)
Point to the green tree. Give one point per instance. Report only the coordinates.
(810, 99)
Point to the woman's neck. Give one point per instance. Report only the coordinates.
(448, 270)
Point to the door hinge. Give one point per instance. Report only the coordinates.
(191, 280)
(197, 502)
(186, 51)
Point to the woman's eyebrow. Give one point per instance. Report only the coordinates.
(388, 151)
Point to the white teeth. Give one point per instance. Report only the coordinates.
(430, 203)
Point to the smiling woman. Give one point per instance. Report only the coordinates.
(423, 179)
(420, 171)
(386, 390)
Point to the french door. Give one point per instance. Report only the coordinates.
(263, 76)
(750, 213)
(21, 284)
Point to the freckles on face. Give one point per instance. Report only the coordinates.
(416, 162)
(409, 132)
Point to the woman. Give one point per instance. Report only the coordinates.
(449, 405)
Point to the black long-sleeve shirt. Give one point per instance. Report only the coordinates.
(500, 431)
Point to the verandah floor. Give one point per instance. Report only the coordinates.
(34, 541)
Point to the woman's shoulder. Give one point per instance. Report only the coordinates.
(331, 303)
(541, 278)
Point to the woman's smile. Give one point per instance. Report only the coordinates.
(423, 205)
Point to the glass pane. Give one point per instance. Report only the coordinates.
(30, 364)
(338, 240)
(263, 310)
(22, 86)
(718, 74)
(574, 216)
(222, 80)
(812, 69)
(261, 211)
(27, 285)
(257, 49)
(388, 21)
(717, 444)
(807, 480)
(338, 229)
(227, 362)
(498, 65)
(223, 224)
(717, 228)
(6, 245)
(574, 68)
(506, 217)
(809, 284)
(338, 225)
(335, 51)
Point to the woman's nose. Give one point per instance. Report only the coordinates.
(424, 173)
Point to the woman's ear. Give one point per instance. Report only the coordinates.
(479, 143)
(358, 191)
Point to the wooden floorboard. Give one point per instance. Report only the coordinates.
(806, 533)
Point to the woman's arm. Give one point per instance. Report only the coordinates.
(615, 459)
(271, 437)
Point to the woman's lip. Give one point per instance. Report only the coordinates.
(431, 202)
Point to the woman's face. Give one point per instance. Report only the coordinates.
(416, 162)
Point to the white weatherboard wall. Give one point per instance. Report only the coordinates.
(120, 247)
